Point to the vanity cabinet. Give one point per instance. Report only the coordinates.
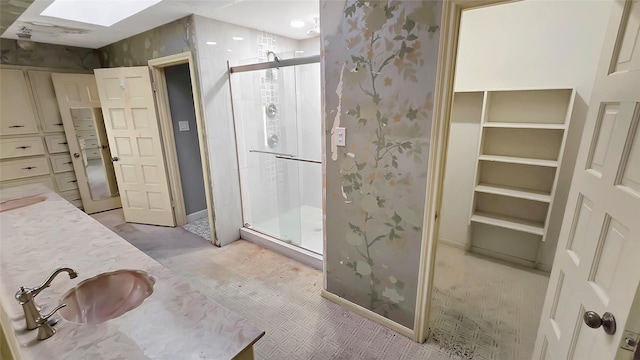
(33, 146)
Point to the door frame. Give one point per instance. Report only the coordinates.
(167, 138)
(443, 99)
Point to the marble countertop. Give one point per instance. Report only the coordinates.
(175, 322)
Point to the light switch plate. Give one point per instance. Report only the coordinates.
(341, 136)
(183, 125)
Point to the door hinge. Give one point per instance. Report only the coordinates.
(173, 203)
(153, 86)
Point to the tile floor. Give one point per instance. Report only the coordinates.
(482, 309)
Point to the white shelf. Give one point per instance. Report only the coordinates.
(514, 192)
(515, 125)
(508, 222)
(518, 160)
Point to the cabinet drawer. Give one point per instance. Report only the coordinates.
(91, 144)
(56, 143)
(45, 180)
(61, 163)
(66, 181)
(87, 135)
(46, 102)
(72, 196)
(84, 125)
(93, 154)
(16, 169)
(10, 148)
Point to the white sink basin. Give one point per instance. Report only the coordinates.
(106, 296)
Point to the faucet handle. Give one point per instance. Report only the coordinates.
(45, 330)
(23, 295)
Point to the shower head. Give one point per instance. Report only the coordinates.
(275, 57)
(316, 28)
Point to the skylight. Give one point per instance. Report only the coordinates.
(97, 12)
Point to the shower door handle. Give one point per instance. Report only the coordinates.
(298, 159)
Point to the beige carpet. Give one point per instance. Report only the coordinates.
(282, 297)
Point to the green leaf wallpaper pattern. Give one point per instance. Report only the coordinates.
(380, 66)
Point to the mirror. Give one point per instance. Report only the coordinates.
(94, 150)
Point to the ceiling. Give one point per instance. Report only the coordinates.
(273, 16)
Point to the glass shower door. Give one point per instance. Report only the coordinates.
(266, 130)
(278, 130)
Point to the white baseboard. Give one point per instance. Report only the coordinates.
(197, 215)
(403, 330)
(454, 244)
(296, 253)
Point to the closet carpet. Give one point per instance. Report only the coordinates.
(282, 297)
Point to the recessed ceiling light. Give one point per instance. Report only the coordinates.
(297, 23)
(237, 38)
(96, 12)
(299, 51)
(229, 50)
(211, 42)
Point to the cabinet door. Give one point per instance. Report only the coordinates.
(46, 103)
(17, 115)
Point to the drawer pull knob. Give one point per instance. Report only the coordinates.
(16, 126)
(63, 143)
(23, 147)
(58, 124)
(68, 163)
(29, 167)
(72, 181)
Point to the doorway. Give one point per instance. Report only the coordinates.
(508, 170)
(184, 140)
(185, 131)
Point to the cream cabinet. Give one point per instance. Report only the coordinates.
(33, 146)
(17, 114)
(46, 102)
(521, 145)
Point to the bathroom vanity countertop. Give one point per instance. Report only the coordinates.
(175, 322)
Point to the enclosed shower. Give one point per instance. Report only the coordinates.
(277, 117)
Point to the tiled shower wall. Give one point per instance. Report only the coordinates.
(223, 158)
(380, 60)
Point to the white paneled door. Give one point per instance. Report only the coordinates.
(597, 265)
(79, 91)
(132, 127)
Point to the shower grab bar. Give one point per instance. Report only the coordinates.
(298, 159)
(271, 153)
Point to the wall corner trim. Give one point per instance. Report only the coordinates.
(375, 317)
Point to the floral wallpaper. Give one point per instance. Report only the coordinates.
(379, 61)
(48, 55)
(172, 38)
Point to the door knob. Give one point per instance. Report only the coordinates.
(115, 158)
(607, 321)
(76, 155)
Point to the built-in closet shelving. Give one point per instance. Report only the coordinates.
(522, 138)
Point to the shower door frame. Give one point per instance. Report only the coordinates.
(265, 66)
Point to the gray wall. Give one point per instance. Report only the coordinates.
(189, 161)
